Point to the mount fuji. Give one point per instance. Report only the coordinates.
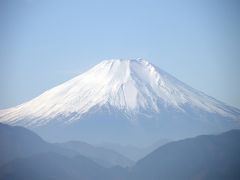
(123, 101)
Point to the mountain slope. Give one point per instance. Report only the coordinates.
(131, 96)
(19, 142)
(24, 155)
(52, 166)
(207, 157)
(133, 152)
(101, 155)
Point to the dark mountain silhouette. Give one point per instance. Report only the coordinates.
(52, 166)
(19, 142)
(206, 157)
(203, 157)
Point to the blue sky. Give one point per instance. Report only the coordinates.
(46, 42)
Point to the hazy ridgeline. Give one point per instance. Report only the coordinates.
(24, 155)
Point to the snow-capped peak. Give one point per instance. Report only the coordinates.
(130, 86)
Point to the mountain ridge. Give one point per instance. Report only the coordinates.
(19, 142)
(205, 157)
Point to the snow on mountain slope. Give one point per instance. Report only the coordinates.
(130, 86)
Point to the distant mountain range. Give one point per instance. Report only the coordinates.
(125, 102)
(18, 142)
(101, 155)
(24, 155)
(206, 157)
(133, 152)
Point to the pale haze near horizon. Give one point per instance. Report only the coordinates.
(45, 43)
